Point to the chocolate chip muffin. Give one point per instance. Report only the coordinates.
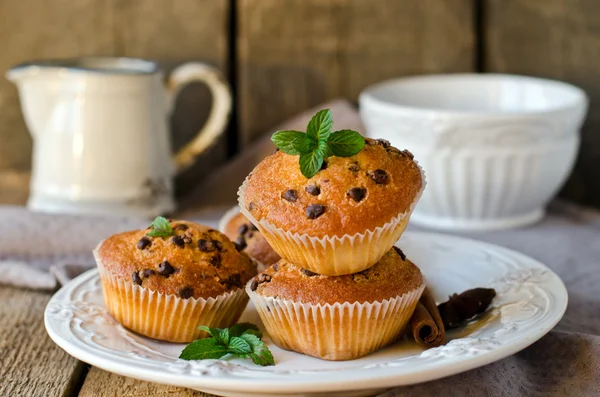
(331, 317)
(248, 238)
(190, 276)
(343, 219)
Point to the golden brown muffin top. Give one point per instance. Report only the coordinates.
(347, 196)
(250, 239)
(392, 276)
(196, 261)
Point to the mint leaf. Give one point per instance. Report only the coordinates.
(204, 349)
(261, 355)
(223, 336)
(254, 332)
(310, 163)
(293, 142)
(239, 329)
(238, 345)
(241, 340)
(345, 143)
(319, 127)
(214, 332)
(161, 227)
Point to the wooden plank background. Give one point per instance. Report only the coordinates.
(558, 39)
(295, 54)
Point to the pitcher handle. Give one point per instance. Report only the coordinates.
(219, 113)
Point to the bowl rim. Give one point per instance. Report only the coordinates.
(368, 95)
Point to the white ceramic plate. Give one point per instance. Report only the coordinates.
(531, 300)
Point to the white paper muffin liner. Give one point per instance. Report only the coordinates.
(342, 331)
(333, 255)
(167, 316)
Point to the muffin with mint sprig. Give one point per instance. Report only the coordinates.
(331, 202)
(165, 281)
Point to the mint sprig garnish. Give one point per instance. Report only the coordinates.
(318, 143)
(242, 340)
(161, 227)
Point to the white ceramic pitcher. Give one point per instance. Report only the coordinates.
(101, 143)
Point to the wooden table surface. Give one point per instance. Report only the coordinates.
(32, 365)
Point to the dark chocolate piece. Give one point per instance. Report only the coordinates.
(462, 307)
(313, 190)
(165, 269)
(186, 292)
(144, 243)
(206, 245)
(356, 193)
(314, 211)
(290, 195)
(243, 229)
(136, 278)
(178, 241)
(378, 176)
(308, 272)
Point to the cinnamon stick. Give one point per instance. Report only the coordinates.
(426, 322)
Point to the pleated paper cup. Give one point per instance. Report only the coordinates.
(167, 316)
(342, 331)
(332, 255)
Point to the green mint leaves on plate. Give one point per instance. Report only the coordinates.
(318, 143)
(242, 340)
(161, 227)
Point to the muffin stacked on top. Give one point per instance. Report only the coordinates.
(340, 290)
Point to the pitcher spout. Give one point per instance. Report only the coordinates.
(37, 94)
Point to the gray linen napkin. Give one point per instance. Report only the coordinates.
(566, 362)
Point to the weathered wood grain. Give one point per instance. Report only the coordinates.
(294, 54)
(558, 39)
(99, 383)
(30, 363)
(169, 31)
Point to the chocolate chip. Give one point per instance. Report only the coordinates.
(252, 227)
(308, 273)
(253, 285)
(290, 195)
(314, 211)
(240, 243)
(275, 267)
(313, 190)
(178, 241)
(251, 206)
(399, 251)
(383, 142)
(215, 261)
(144, 243)
(136, 278)
(218, 244)
(165, 269)
(380, 177)
(186, 292)
(147, 273)
(206, 245)
(324, 165)
(354, 167)
(263, 278)
(407, 154)
(234, 280)
(243, 229)
(356, 193)
(181, 226)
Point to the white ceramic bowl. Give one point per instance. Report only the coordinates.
(495, 148)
